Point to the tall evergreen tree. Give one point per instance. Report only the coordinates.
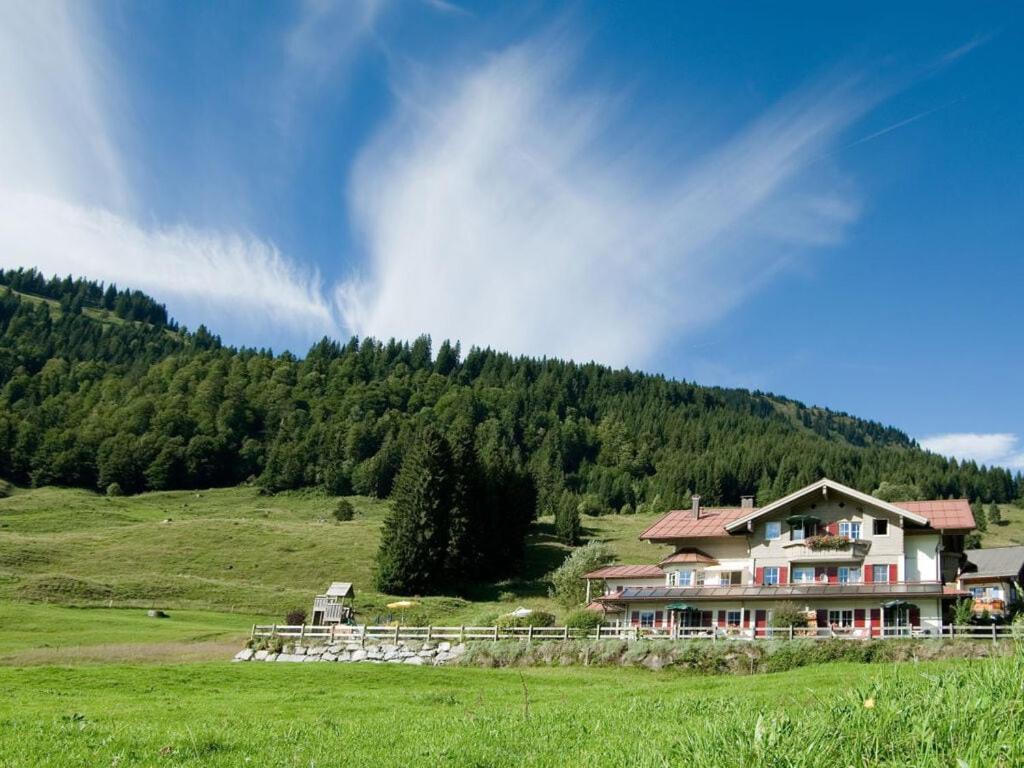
(980, 518)
(414, 546)
(993, 513)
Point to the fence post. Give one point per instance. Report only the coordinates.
(462, 633)
(790, 631)
(273, 630)
(598, 631)
(428, 633)
(993, 633)
(253, 634)
(302, 631)
(396, 634)
(529, 633)
(495, 631)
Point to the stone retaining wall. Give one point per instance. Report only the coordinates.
(402, 652)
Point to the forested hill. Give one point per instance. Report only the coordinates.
(100, 387)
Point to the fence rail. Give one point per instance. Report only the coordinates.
(334, 633)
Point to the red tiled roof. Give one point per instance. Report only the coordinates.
(599, 607)
(945, 514)
(689, 555)
(681, 524)
(626, 572)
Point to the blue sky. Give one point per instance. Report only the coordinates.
(819, 200)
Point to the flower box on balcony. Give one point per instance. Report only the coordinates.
(826, 542)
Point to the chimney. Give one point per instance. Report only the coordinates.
(695, 501)
(747, 502)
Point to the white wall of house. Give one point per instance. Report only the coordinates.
(921, 559)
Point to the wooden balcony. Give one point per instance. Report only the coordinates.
(851, 552)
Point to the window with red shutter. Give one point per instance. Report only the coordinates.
(783, 575)
(759, 576)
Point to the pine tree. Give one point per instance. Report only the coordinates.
(567, 519)
(980, 518)
(463, 559)
(993, 513)
(414, 545)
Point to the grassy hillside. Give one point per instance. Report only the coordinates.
(1007, 532)
(233, 549)
(928, 714)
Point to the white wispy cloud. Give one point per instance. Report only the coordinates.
(494, 210)
(66, 205)
(1002, 449)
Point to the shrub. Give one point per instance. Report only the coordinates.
(788, 614)
(591, 506)
(344, 511)
(583, 619)
(534, 619)
(295, 616)
(567, 584)
(114, 489)
(963, 612)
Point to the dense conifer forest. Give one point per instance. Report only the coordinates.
(101, 389)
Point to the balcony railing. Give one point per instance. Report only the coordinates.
(853, 550)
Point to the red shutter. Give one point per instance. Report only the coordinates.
(892, 573)
(876, 622)
(868, 574)
(821, 617)
(833, 574)
(759, 576)
(657, 618)
(832, 529)
(858, 617)
(635, 618)
(783, 575)
(705, 619)
(760, 622)
(915, 616)
(721, 618)
(746, 619)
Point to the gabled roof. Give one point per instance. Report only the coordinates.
(681, 524)
(993, 563)
(689, 555)
(626, 572)
(942, 514)
(340, 589)
(822, 487)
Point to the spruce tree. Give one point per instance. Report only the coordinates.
(463, 557)
(413, 549)
(993, 513)
(980, 519)
(567, 519)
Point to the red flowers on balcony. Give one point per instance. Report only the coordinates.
(827, 541)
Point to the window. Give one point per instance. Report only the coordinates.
(848, 575)
(801, 532)
(880, 527)
(772, 530)
(732, 618)
(684, 578)
(771, 575)
(880, 574)
(646, 618)
(727, 578)
(841, 618)
(803, 574)
(850, 530)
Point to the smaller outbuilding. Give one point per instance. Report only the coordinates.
(994, 577)
(335, 605)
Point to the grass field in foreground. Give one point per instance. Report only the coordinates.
(232, 549)
(928, 714)
(49, 634)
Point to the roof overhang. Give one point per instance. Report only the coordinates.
(822, 488)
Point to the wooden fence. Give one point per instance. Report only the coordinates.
(338, 633)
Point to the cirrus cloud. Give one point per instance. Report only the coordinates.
(1002, 449)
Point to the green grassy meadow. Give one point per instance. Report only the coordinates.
(234, 550)
(1009, 531)
(928, 714)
